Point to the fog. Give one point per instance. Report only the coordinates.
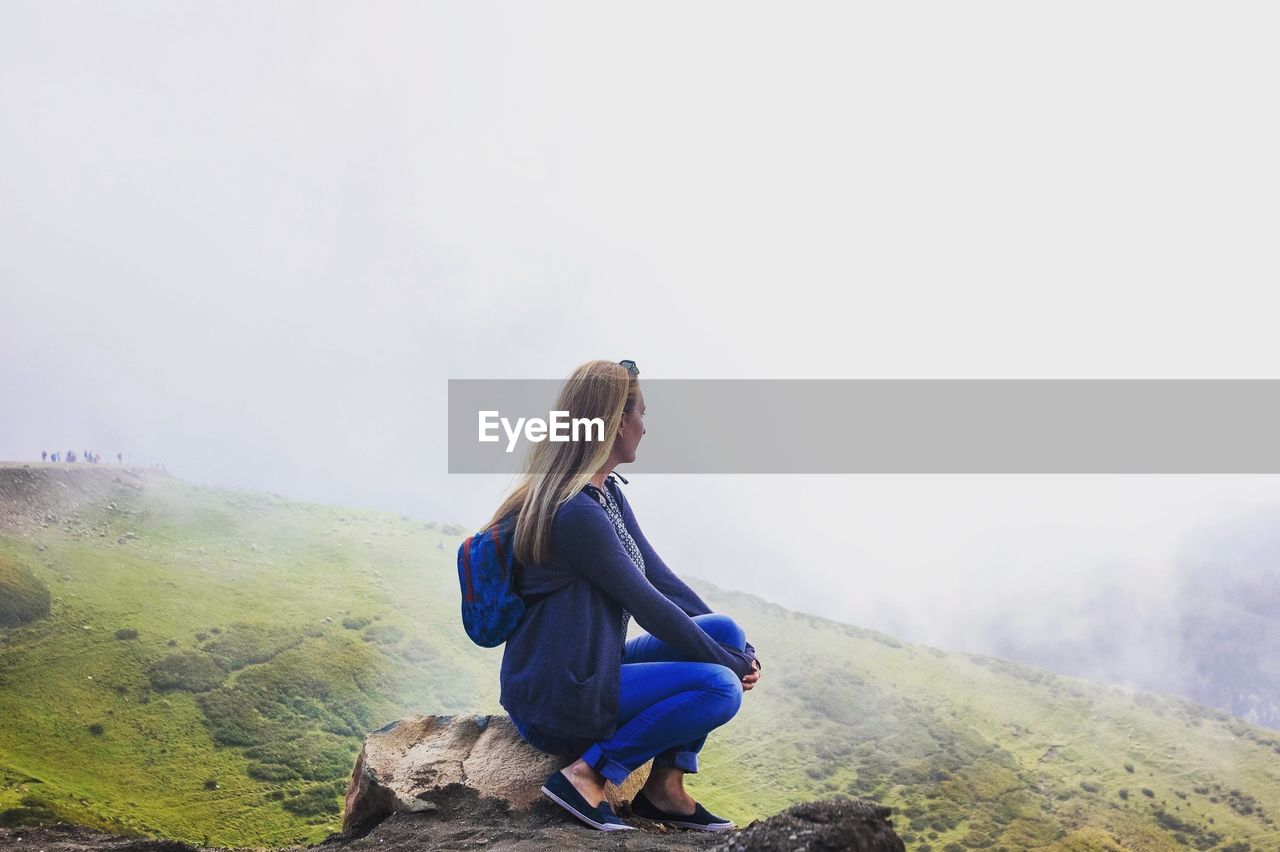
(253, 241)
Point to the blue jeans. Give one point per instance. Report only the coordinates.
(667, 705)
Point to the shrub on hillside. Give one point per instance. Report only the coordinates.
(1242, 803)
(126, 633)
(383, 634)
(23, 598)
(315, 755)
(272, 772)
(315, 801)
(418, 651)
(33, 811)
(305, 712)
(245, 644)
(236, 720)
(188, 670)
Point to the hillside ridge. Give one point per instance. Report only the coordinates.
(211, 661)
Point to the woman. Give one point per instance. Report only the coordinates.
(571, 682)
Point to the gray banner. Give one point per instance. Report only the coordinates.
(906, 426)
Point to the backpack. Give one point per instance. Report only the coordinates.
(491, 609)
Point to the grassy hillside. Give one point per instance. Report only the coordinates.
(211, 661)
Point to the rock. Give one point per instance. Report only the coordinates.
(856, 825)
(423, 782)
(404, 764)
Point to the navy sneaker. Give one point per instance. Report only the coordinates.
(700, 819)
(561, 791)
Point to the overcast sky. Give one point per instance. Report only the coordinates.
(254, 240)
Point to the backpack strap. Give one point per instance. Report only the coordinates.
(611, 482)
(465, 550)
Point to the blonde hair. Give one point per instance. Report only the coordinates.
(556, 470)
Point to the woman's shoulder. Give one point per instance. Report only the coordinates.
(579, 511)
(588, 506)
(582, 502)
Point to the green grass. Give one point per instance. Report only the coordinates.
(271, 636)
(980, 752)
(237, 711)
(23, 598)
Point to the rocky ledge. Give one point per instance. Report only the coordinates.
(471, 782)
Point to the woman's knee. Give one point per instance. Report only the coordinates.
(725, 687)
(722, 628)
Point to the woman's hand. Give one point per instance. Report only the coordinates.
(750, 680)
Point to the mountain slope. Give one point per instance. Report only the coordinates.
(211, 661)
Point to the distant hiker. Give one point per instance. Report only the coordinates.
(71, 455)
(571, 682)
(44, 456)
(120, 458)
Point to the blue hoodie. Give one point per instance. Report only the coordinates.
(562, 666)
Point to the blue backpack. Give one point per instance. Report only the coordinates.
(491, 609)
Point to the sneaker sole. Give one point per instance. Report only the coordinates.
(602, 826)
(715, 826)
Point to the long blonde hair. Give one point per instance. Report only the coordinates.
(556, 470)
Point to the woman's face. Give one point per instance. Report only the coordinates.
(632, 429)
